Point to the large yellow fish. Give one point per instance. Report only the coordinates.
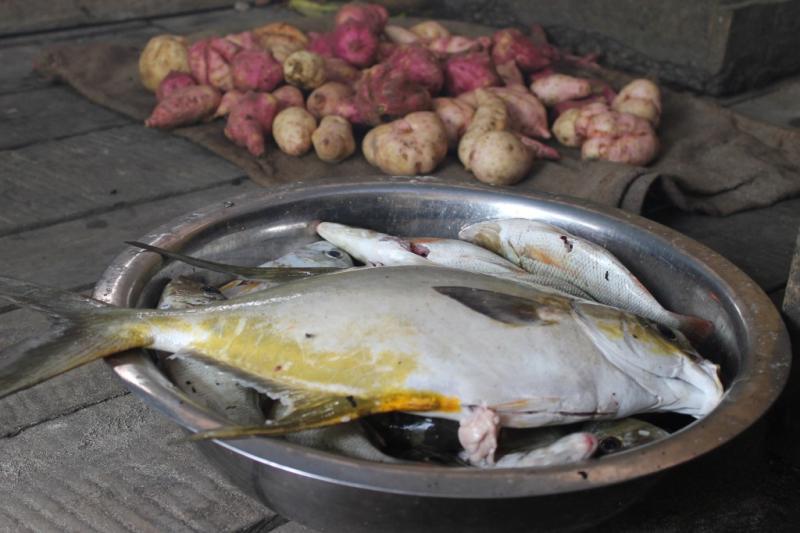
(475, 348)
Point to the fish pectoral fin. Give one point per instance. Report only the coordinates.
(255, 273)
(322, 410)
(506, 308)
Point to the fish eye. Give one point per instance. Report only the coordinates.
(666, 332)
(334, 253)
(609, 445)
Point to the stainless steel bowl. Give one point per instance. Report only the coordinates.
(333, 493)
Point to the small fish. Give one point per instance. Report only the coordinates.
(340, 346)
(577, 266)
(209, 385)
(320, 254)
(371, 247)
(616, 436)
(379, 249)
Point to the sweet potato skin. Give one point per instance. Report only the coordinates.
(356, 44)
(250, 119)
(184, 106)
(256, 70)
(469, 71)
(174, 80)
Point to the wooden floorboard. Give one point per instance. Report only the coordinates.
(50, 113)
(17, 73)
(116, 466)
(227, 21)
(37, 15)
(49, 182)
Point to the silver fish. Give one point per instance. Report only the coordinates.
(375, 248)
(363, 341)
(315, 255)
(207, 384)
(576, 266)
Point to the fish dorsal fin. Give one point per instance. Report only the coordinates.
(505, 308)
(258, 273)
(320, 410)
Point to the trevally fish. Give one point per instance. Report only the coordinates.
(576, 266)
(362, 341)
(375, 248)
(320, 254)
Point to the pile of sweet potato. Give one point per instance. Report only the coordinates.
(417, 92)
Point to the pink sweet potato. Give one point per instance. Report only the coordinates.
(245, 40)
(355, 43)
(184, 106)
(256, 70)
(373, 16)
(174, 80)
(384, 92)
(219, 70)
(250, 119)
(198, 61)
(227, 49)
(321, 43)
(209, 60)
(419, 65)
(469, 71)
(511, 45)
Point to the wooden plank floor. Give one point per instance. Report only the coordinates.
(81, 454)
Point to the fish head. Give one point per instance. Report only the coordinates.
(649, 353)
(183, 292)
(317, 254)
(370, 247)
(614, 436)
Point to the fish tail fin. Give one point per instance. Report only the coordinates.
(82, 330)
(695, 328)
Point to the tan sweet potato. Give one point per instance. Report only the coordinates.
(162, 54)
(333, 139)
(292, 130)
(304, 69)
(414, 144)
